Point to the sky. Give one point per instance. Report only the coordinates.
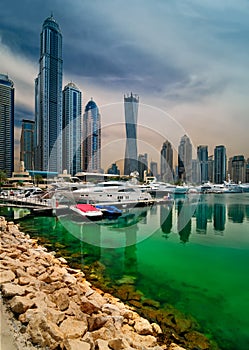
(188, 60)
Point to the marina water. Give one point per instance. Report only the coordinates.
(193, 254)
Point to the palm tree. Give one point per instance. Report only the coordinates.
(38, 179)
(3, 178)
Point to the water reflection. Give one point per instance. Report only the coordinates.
(219, 217)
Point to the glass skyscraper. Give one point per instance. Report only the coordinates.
(72, 129)
(185, 159)
(48, 99)
(202, 156)
(131, 111)
(27, 144)
(220, 164)
(6, 125)
(91, 138)
(167, 162)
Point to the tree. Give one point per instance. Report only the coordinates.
(38, 179)
(3, 177)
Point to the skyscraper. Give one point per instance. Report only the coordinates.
(48, 99)
(142, 165)
(185, 159)
(91, 138)
(131, 111)
(202, 156)
(72, 129)
(27, 144)
(220, 164)
(237, 168)
(6, 125)
(167, 162)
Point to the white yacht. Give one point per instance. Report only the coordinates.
(110, 192)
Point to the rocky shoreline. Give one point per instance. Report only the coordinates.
(52, 306)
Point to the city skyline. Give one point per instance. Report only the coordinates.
(196, 82)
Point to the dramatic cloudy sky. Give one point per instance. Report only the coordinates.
(188, 60)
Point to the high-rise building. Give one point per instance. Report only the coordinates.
(113, 169)
(153, 169)
(196, 171)
(48, 99)
(27, 144)
(167, 162)
(6, 125)
(72, 129)
(211, 168)
(247, 171)
(185, 159)
(142, 165)
(91, 138)
(202, 157)
(131, 111)
(237, 168)
(220, 164)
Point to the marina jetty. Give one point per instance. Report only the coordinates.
(53, 306)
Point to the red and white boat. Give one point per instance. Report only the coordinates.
(87, 211)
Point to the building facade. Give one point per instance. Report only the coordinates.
(202, 157)
(185, 159)
(211, 168)
(220, 164)
(166, 166)
(131, 103)
(91, 138)
(142, 165)
(48, 99)
(237, 168)
(6, 125)
(27, 144)
(72, 129)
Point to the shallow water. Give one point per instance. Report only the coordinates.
(193, 254)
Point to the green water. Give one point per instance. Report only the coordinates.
(193, 255)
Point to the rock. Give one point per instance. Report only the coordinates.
(151, 303)
(118, 344)
(198, 339)
(9, 290)
(76, 344)
(74, 310)
(96, 322)
(101, 344)
(44, 332)
(55, 316)
(143, 327)
(20, 304)
(89, 306)
(7, 276)
(61, 298)
(111, 309)
(73, 328)
(156, 328)
(24, 280)
(174, 346)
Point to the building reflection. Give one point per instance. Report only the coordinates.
(202, 214)
(184, 223)
(219, 217)
(166, 219)
(236, 212)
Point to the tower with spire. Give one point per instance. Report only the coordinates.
(48, 99)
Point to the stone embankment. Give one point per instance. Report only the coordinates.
(55, 307)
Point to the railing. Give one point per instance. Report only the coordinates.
(28, 201)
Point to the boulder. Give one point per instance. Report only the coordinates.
(44, 332)
(6, 276)
(61, 298)
(20, 304)
(96, 322)
(76, 344)
(118, 344)
(72, 328)
(89, 306)
(143, 327)
(101, 344)
(9, 290)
